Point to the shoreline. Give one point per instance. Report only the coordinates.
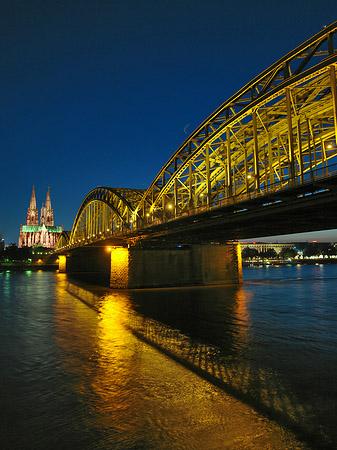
(293, 262)
(21, 267)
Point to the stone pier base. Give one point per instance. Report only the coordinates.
(197, 265)
(90, 264)
(62, 264)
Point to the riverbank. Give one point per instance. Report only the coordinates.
(23, 266)
(291, 262)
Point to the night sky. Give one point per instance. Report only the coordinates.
(101, 93)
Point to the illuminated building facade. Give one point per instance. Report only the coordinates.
(265, 246)
(44, 233)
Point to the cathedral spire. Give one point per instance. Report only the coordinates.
(47, 217)
(32, 213)
(48, 202)
(32, 200)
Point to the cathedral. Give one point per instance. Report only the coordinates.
(46, 233)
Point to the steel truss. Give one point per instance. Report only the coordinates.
(279, 131)
(104, 212)
(63, 240)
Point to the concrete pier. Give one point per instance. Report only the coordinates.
(138, 267)
(88, 263)
(196, 265)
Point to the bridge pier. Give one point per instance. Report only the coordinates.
(195, 265)
(62, 264)
(87, 263)
(139, 267)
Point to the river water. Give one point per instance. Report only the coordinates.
(232, 367)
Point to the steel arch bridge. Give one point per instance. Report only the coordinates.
(277, 132)
(104, 212)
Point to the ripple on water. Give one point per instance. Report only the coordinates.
(77, 378)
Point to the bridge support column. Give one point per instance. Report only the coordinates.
(196, 265)
(120, 268)
(92, 264)
(62, 264)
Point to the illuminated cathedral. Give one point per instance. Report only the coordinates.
(46, 233)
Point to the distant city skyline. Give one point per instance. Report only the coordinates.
(103, 93)
(313, 236)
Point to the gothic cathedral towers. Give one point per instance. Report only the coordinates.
(45, 234)
(32, 213)
(47, 217)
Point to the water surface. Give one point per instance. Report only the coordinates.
(79, 368)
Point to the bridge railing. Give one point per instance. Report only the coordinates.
(268, 192)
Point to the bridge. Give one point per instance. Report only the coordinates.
(263, 163)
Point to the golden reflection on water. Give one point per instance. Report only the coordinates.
(134, 396)
(97, 352)
(241, 310)
(117, 361)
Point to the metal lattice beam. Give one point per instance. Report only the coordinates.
(104, 212)
(279, 129)
(278, 132)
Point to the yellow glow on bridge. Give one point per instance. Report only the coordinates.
(275, 136)
(62, 263)
(119, 275)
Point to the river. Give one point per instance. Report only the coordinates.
(224, 367)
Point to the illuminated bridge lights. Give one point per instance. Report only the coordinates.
(276, 134)
(308, 194)
(240, 210)
(272, 203)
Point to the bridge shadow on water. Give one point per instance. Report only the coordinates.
(257, 387)
(260, 387)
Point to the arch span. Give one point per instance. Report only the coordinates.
(63, 240)
(104, 212)
(277, 131)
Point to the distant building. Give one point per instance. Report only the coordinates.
(264, 246)
(45, 233)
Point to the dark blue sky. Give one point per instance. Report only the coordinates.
(101, 93)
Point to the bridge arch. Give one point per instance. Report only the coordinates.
(277, 131)
(105, 211)
(63, 240)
